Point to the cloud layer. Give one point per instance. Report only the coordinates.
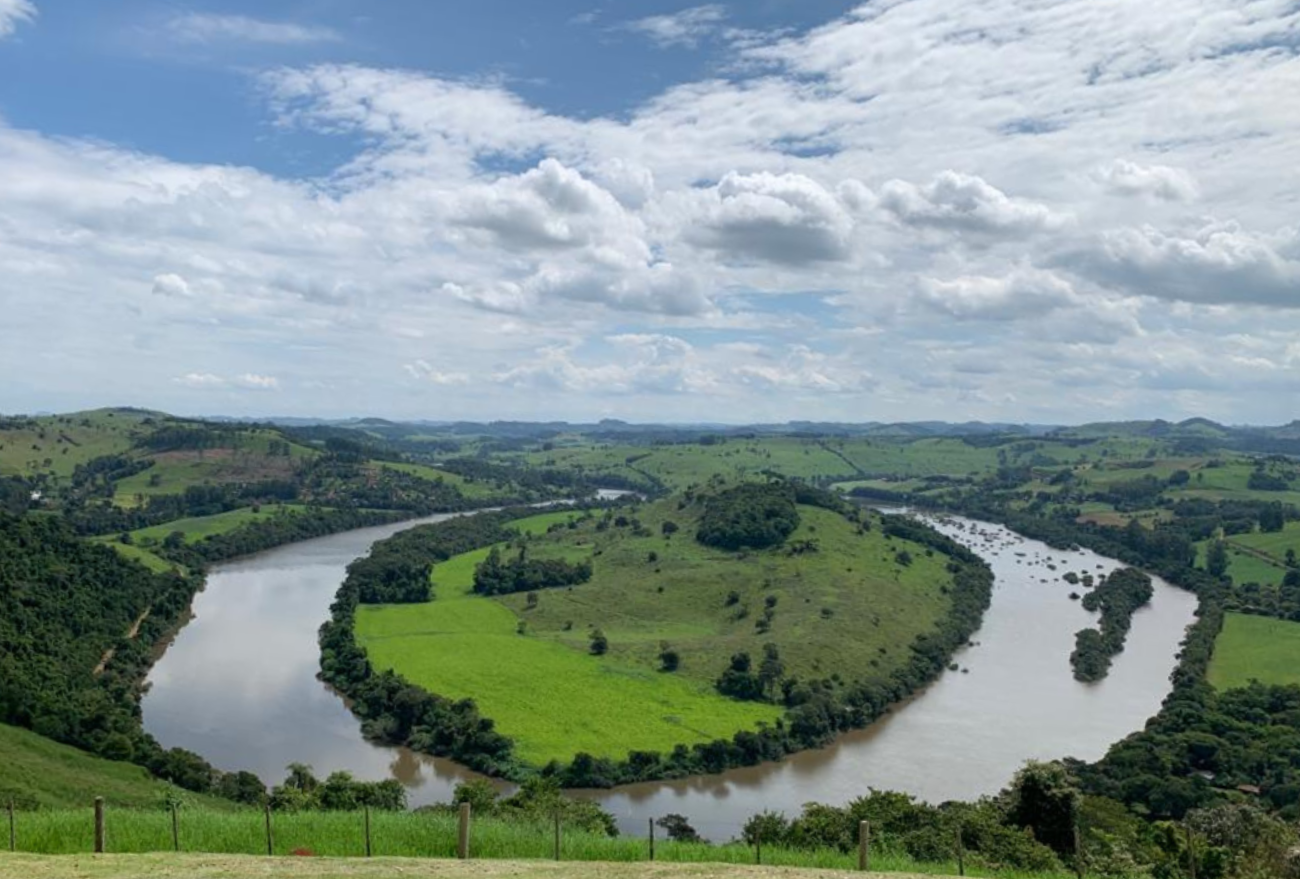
(928, 208)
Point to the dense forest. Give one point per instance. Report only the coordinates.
(69, 668)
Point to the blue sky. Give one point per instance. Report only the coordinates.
(1024, 210)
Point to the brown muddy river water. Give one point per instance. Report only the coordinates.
(239, 687)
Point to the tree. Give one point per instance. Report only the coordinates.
(669, 528)
(1272, 518)
(765, 828)
(1290, 558)
(669, 659)
(599, 643)
(678, 828)
(1045, 798)
(1216, 559)
(771, 669)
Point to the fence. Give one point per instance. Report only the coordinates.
(401, 834)
(441, 834)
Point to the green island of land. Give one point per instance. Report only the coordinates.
(837, 601)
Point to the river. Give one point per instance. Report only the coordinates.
(239, 687)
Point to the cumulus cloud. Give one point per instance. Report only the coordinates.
(1159, 182)
(247, 381)
(198, 27)
(422, 371)
(685, 28)
(1025, 293)
(641, 363)
(780, 218)
(201, 380)
(1220, 263)
(551, 207)
(804, 369)
(14, 13)
(170, 285)
(809, 196)
(965, 203)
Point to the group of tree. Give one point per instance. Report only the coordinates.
(752, 515)
(1118, 597)
(523, 573)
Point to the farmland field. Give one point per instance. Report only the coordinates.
(849, 607)
(1256, 648)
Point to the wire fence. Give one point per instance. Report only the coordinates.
(440, 834)
(446, 834)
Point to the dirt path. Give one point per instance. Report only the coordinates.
(234, 867)
(130, 635)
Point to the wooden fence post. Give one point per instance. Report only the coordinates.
(367, 831)
(864, 845)
(462, 838)
(1078, 852)
(652, 839)
(1191, 853)
(13, 836)
(99, 825)
(557, 834)
(176, 829)
(961, 854)
(758, 850)
(270, 840)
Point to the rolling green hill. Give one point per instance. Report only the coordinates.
(838, 601)
(38, 773)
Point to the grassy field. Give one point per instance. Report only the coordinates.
(206, 526)
(56, 444)
(36, 772)
(849, 609)
(1244, 567)
(471, 488)
(515, 848)
(1255, 648)
(246, 459)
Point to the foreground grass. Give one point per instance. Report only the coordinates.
(497, 847)
(36, 772)
(1255, 648)
(234, 867)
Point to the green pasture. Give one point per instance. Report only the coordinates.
(1242, 566)
(36, 772)
(197, 528)
(849, 609)
(473, 489)
(56, 444)
(1255, 648)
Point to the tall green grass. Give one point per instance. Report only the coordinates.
(409, 835)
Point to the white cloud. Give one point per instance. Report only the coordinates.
(198, 27)
(787, 218)
(965, 203)
(1220, 263)
(1025, 293)
(257, 382)
(1158, 182)
(919, 176)
(422, 371)
(685, 28)
(14, 13)
(201, 380)
(170, 285)
(246, 381)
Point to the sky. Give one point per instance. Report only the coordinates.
(1046, 211)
